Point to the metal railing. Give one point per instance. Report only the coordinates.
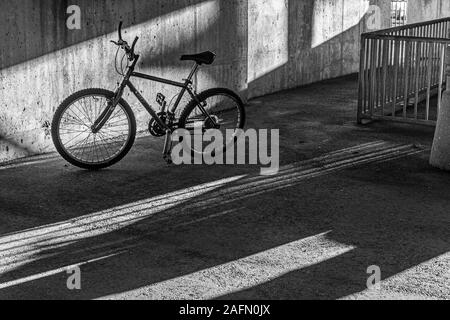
(402, 72)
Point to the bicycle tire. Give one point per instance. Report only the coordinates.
(73, 99)
(203, 96)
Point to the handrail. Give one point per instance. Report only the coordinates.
(409, 38)
(408, 26)
(401, 71)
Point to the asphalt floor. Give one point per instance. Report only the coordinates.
(346, 198)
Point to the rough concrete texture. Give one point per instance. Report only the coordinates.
(293, 43)
(423, 10)
(264, 45)
(42, 62)
(144, 230)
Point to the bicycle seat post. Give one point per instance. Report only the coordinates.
(193, 71)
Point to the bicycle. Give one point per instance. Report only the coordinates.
(95, 128)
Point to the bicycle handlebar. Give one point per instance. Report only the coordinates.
(120, 30)
(124, 45)
(134, 44)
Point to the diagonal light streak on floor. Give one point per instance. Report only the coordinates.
(253, 270)
(133, 212)
(22, 247)
(89, 257)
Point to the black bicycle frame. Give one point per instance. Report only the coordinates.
(185, 86)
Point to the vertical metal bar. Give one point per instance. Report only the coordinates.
(429, 84)
(361, 80)
(425, 63)
(373, 77)
(388, 68)
(369, 70)
(385, 67)
(377, 73)
(406, 76)
(391, 70)
(420, 60)
(441, 77)
(400, 66)
(416, 99)
(396, 61)
(368, 73)
(366, 76)
(432, 53)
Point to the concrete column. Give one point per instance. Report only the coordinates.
(440, 153)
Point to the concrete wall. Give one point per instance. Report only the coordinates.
(262, 46)
(42, 62)
(423, 10)
(296, 42)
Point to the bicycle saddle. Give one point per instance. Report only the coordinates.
(206, 57)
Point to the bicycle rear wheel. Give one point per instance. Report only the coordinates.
(226, 109)
(73, 136)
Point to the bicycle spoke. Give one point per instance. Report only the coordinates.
(79, 140)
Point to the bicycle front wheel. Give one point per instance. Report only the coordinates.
(73, 136)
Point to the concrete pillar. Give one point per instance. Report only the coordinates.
(440, 153)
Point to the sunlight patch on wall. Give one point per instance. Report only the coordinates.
(268, 28)
(327, 22)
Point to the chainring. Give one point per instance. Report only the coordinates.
(155, 129)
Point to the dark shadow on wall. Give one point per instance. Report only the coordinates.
(225, 36)
(30, 29)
